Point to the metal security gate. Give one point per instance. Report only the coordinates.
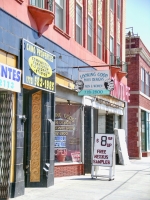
(5, 142)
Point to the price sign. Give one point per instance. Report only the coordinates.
(103, 150)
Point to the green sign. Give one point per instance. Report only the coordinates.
(94, 92)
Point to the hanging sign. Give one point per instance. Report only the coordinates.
(10, 78)
(103, 150)
(95, 82)
(39, 69)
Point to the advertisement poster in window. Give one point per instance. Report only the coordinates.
(39, 68)
(67, 133)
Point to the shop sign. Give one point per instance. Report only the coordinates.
(121, 91)
(95, 83)
(10, 78)
(103, 150)
(39, 69)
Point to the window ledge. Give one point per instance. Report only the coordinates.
(67, 163)
(42, 17)
(20, 1)
(61, 32)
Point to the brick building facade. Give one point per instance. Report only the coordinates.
(138, 59)
(50, 124)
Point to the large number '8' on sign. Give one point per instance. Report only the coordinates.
(103, 140)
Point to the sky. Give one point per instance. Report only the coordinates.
(138, 17)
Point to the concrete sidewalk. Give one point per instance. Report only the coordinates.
(132, 182)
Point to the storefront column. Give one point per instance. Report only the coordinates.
(17, 185)
(124, 120)
(92, 133)
(139, 133)
(82, 114)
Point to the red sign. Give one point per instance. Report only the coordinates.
(76, 157)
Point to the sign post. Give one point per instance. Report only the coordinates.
(104, 155)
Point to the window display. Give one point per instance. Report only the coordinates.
(68, 133)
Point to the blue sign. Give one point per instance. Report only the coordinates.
(10, 78)
(60, 138)
(60, 144)
(39, 69)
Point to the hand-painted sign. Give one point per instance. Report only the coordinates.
(10, 78)
(103, 150)
(94, 82)
(39, 68)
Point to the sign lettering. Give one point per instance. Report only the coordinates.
(39, 68)
(10, 78)
(103, 150)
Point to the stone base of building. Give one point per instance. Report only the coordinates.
(68, 170)
(145, 154)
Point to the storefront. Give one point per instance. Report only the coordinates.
(104, 109)
(68, 129)
(145, 133)
(39, 70)
(10, 87)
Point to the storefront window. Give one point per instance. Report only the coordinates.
(143, 130)
(68, 133)
(148, 131)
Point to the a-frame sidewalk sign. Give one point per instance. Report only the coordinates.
(104, 155)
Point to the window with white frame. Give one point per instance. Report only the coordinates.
(112, 5)
(119, 9)
(99, 42)
(147, 84)
(38, 3)
(59, 14)
(111, 50)
(90, 34)
(78, 24)
(142, 79)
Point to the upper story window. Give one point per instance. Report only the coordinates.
(147, 84)
(59, 14)
(119, 9)
(111, 50)
(142, 79)
(38, 3)
(90, 34)
(112, 5)
(99, 42)
(118, 54)
(78, 24)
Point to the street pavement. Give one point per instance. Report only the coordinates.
(132, 182)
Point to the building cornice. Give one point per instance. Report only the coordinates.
(140, 51)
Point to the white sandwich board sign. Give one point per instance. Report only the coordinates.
(121, 146)
(104, 153)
